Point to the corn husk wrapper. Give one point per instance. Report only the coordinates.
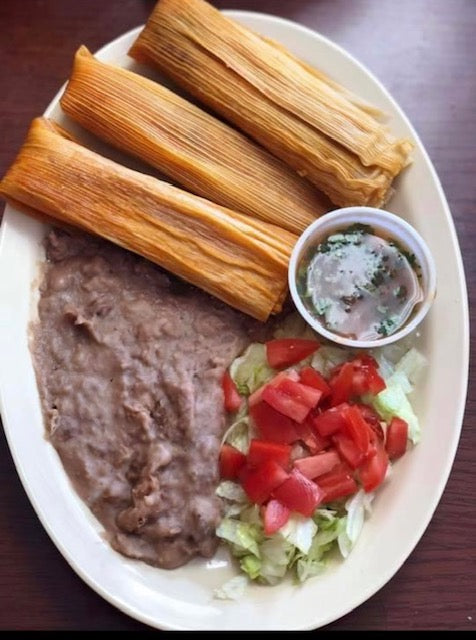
(297, 115)
(201, 153)
(238, 259)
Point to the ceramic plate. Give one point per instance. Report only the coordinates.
(183, 598)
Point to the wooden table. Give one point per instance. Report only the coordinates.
(424, 51)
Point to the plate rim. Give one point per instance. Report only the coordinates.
(461, 405)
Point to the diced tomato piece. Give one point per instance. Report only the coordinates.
(356, 428)
(341, 384)
(230, 391)
(372, 418)
(355, 378)
(313, 378)
(287, 351)
(330, 421)
(273, 425)
(262, 450)
(348, 449)
(310, 437)
(230, 462)
(308, 396)
(275, 517)
(298, 493)
(337, 484)
(314, 466)
(259, 482)
(397, 436)
(256, 396)
(285, 404)
(372, 472)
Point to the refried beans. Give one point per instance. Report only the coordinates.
(129, 365)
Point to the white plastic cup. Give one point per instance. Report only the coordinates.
(385, 224)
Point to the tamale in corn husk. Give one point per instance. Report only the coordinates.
(356, 100)
(241, 260)
(297, 115)
(195, 149)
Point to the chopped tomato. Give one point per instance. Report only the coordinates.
(231, 461)
(372, 472)
(314, 466)
(338, 483)
(341, 384)
(310, 437)
(372, 418)
(275, 517)
(356, 428)
(355, 378)
(230, 391)
(313, 378)
(287, 351)
(273, 425)
(256, 396)
(397, 436)
(259, 482)
(308, 396)
(285, 404)
(262, 450)
(348, 449)
(330, 421)
(298, 493)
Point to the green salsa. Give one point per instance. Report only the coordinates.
(358, 284)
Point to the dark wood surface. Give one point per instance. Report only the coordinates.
(424, 51)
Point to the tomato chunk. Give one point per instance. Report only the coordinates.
(275, 517)
(312, 378)
(298, 493)
(330, 421)
(230, 391)
(259, 482)
(397, 436)
(287, 351)
(372, 472)
(356, 428)
(273, 425)
(372, 418)
(230, 462)
(262, 450)
(256, 396)
(285, 404)
(348, 449)
(307, 396)
(314, 466)
(310, 437)
(336, 484)
(355, 378)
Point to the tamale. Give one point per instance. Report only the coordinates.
(275, 99)
(356, 100)
(241, 260)
(201, 153)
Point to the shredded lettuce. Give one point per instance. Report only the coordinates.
(301, 547)
(299, 531)
(328, 357)
(231, 491)
(393, 401)
(242, 536)
(251, 370)
(239, 434)
(233, 589)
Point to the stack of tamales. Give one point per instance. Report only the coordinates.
(236, 243)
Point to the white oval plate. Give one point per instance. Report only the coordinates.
(182, 599)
